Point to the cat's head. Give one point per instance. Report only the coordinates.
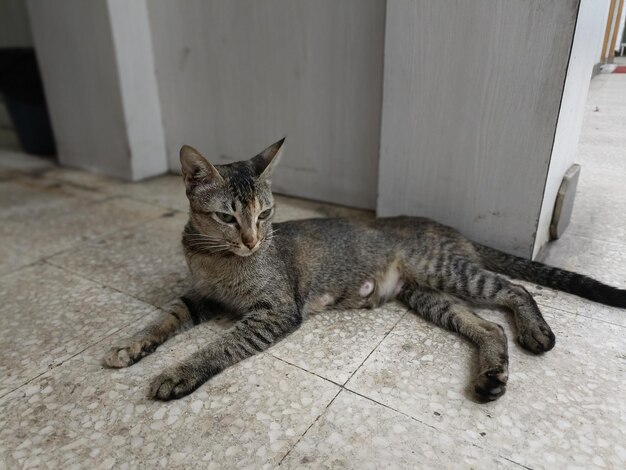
(231, 206)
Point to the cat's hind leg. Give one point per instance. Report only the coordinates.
(260, 329)
(449, 312)
(176, 318)
(468, 280)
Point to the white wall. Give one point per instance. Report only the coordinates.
(471, 99)
(236, 76)
(588, 39)
(77, 61)
(14, 24)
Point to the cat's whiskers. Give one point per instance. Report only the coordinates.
(270, 234)
(198, 236)
(211, 246)
(208, 250)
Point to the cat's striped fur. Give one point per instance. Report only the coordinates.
(274, 276)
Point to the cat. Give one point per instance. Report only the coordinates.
(272, 277)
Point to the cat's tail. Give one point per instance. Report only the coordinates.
(560, 279)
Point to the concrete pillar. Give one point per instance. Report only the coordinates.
(98, 70)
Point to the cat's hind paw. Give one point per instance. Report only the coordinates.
(537, 338)
(491, 385)
(173, 384)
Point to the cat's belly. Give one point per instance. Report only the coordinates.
(370, 292)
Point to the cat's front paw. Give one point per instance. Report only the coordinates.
(491, 385)
(173, 384)
(118, 357)
(127, 355)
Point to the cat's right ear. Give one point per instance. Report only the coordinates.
(196, 169)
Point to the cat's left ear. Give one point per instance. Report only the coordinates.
(265, 162)
(196, 169)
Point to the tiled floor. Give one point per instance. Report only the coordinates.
(85, 259)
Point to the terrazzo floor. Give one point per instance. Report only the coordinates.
(85, 260)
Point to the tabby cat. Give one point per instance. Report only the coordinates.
(272, 277)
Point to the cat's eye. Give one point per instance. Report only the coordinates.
(265, 214)
(226, 218)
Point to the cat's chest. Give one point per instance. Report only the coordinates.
(235, 286)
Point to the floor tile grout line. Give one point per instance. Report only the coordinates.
(99, 190)
(86, 204)
(101, 284)
(47, 257)
(44, 261)
(22, 179)
(576, 314)
(123, 194)
(514, 462)
(587, 237)
(384, 405)
(309, 427)
(55, 366)
(19, 268)
(430, 425)
(156, 204)
(134, 227)
(343, 388)
(342, 385)
(158, 308)
(574, 233)
(375, 348)
(326, 379)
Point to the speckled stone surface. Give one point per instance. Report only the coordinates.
(89, 181)
(606, 261)
(145, 262)
(289, 208)
(13, 255)
(334, 344)
(575, 305)
(41, 237)
(166, 191)
(84, 260)
(602, 217)
(566, 404)
(47, 315)
(14, 162)
(80, 415)
(21, 199)
(357, 433)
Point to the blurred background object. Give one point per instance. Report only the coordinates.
(466, 112)
(24, 119)
(22, 90)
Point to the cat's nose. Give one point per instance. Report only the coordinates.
(250, 242)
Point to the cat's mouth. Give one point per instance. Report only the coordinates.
(244, 251)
